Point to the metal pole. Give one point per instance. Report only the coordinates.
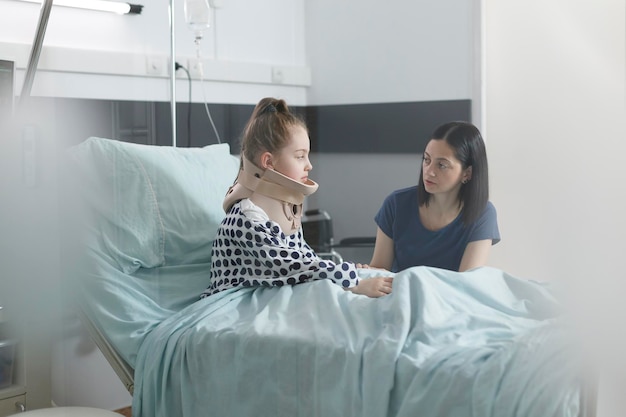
(35, 52)
(173, 72)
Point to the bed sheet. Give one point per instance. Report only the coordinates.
(480, 343)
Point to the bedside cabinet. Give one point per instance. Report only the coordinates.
(12, 389)
(12, 404)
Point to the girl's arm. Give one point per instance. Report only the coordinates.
(282, 264)
(383, 251)
(476, 254)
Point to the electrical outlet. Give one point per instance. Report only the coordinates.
(195, 68)
(278, 75)
(155, 65)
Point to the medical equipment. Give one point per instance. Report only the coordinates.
(198, 17)
(286, 194)
(476, 343)
(317, 226)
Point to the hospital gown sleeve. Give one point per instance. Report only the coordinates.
(249, 253)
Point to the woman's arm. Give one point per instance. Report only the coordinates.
(476, 254)
(383, 251)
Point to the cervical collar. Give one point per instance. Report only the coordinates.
(273, 184)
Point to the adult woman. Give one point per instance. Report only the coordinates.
(447, 220)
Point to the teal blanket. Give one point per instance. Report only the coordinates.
(480, 343)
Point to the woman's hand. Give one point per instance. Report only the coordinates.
(373, 287)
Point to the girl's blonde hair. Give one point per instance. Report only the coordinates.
(268, 129)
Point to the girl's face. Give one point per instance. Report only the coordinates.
(442, 172)
(293, 159)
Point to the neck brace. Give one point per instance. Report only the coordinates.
(272, 184)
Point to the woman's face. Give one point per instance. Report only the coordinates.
(442, 172)
(293, 159)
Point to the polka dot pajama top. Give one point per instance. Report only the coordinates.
(251, 250)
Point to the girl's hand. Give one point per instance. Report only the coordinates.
(364, 266)
(374, 287)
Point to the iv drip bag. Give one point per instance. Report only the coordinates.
(197, 16)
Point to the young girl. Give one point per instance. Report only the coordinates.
(260, 241)
(446, 221)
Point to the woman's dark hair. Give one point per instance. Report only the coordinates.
(268, 128)
(469, 148)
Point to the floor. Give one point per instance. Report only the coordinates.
(126, 412)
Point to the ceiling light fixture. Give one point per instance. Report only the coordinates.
(44, 15)
(100, 5)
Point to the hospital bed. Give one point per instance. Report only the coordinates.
(480, 343)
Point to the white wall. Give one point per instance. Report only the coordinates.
(91, 54)
(555, 123)
(555, 114)
(371, 52)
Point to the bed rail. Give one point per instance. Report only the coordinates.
(123, 370)
(589, 399)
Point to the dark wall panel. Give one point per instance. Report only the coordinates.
(381, 127)
(350, 128)
(194, 129)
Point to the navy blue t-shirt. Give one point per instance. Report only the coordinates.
(414, 245)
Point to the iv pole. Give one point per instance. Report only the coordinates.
(33, 60)
(173, 72)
